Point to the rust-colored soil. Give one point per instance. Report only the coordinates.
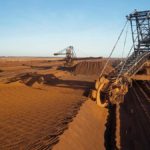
(44, 106)
(38, 99)
(87, 130)
(33, 118)
(92, 67)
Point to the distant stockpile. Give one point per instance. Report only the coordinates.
(92, 67)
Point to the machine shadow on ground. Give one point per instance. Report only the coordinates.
(109, 135)
(134, 119)
(49, 79)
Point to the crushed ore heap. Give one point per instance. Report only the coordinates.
(91, 67)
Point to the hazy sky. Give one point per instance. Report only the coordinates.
(41, 27)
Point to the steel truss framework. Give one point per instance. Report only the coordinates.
(140, 28)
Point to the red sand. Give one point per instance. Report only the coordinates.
(34, 114)
(92, 67)
(43, 106)
(87, 130)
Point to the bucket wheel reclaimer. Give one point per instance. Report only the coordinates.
(111, 89)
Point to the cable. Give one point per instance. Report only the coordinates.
(146, 54)
(113, 48)
(124, 45)
(126, 59)
(128, 54)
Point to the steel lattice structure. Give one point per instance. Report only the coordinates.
(140, 27)
(112, 88)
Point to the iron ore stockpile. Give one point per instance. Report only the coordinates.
(44, 106)
(39, 98)
(92, 67)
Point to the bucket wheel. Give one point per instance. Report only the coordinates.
(98, 94)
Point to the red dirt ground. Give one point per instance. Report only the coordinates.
(38, 98)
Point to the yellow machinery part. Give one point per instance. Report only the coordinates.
(99, 85)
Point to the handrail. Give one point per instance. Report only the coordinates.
(138, 62)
